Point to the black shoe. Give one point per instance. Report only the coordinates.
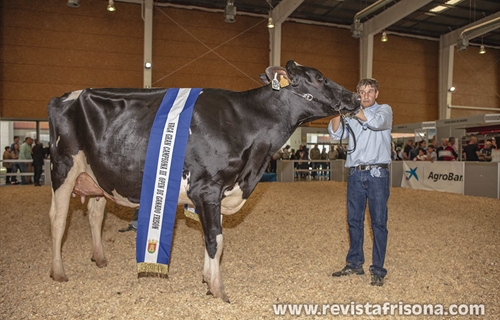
(347, 271)
(377, 280)
(129, 228)
(37, 185)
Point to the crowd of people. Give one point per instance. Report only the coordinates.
(448, 150)
(31, 150)
(307, 157)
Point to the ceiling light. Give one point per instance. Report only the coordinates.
(482, 50)
(229, 11)
(147, 65)
(384, 37)
(451, 89)
(73, 3)
(111, 6)
(437, 9)
(452, 2)
(270, 23)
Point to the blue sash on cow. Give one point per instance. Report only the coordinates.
(162, 179)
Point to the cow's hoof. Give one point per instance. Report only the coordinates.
(101, 263)
(62, 278)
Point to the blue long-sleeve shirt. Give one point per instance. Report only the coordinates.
(373, 136)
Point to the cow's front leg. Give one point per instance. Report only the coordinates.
(211, 271)
(211, 222)
(96, 217)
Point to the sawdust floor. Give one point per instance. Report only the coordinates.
(280, 248)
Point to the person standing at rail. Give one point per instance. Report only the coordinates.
(368, 161)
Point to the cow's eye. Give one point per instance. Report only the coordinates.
(319, 79)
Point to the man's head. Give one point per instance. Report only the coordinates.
(430, 149)
(368, 90)
(29, 140)
(487, 145)
(423, 144)
(16, 139)
(410, 142)
(473, 140)
(444, 142)
(7, 148)
(451, 140)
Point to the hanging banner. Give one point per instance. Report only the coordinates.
(441, 176)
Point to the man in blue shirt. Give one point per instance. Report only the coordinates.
(368, 159)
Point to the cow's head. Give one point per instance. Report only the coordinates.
(314, 87)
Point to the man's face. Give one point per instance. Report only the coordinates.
(487, 145)
(368, 96)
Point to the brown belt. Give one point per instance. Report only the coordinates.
(370, 166)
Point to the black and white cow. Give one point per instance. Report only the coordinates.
(99, 137)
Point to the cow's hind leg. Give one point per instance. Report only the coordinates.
(96, 216)
(58, 215)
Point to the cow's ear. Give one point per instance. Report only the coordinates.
(264, 79)
(282, 75)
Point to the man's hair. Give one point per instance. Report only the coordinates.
(7, 147)
(367, 82)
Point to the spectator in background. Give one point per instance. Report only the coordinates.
(38, 159)
(431, 154)
(421, 155)
(471, 150)
(25, 154)
(333, 154)
(315, 154)
(454, 145)
(495, 149)
(444, 144)
(286, 152)
(485, 153)
(14, 155)
(414, 152)
(7, 165)
(408, 147)
(16, 141)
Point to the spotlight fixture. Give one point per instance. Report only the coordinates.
(451, 89)
(111, 6)
(482, 50)
(147, 65)
(270, 23)
(230, 11)
(73, 3)
(384, 37)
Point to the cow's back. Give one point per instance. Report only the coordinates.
(111, 127)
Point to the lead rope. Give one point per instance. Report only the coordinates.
(351, 133)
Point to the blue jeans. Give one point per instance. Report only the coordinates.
(374, 187)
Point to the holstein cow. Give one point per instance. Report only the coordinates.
(99, 138)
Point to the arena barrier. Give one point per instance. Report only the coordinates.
(45, 173)
(478, 178)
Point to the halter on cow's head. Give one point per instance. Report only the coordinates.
(310, 84)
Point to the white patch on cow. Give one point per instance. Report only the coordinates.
(81, 165)
(73, 95)
(57, 141)
(233, 200)
(183, 197)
